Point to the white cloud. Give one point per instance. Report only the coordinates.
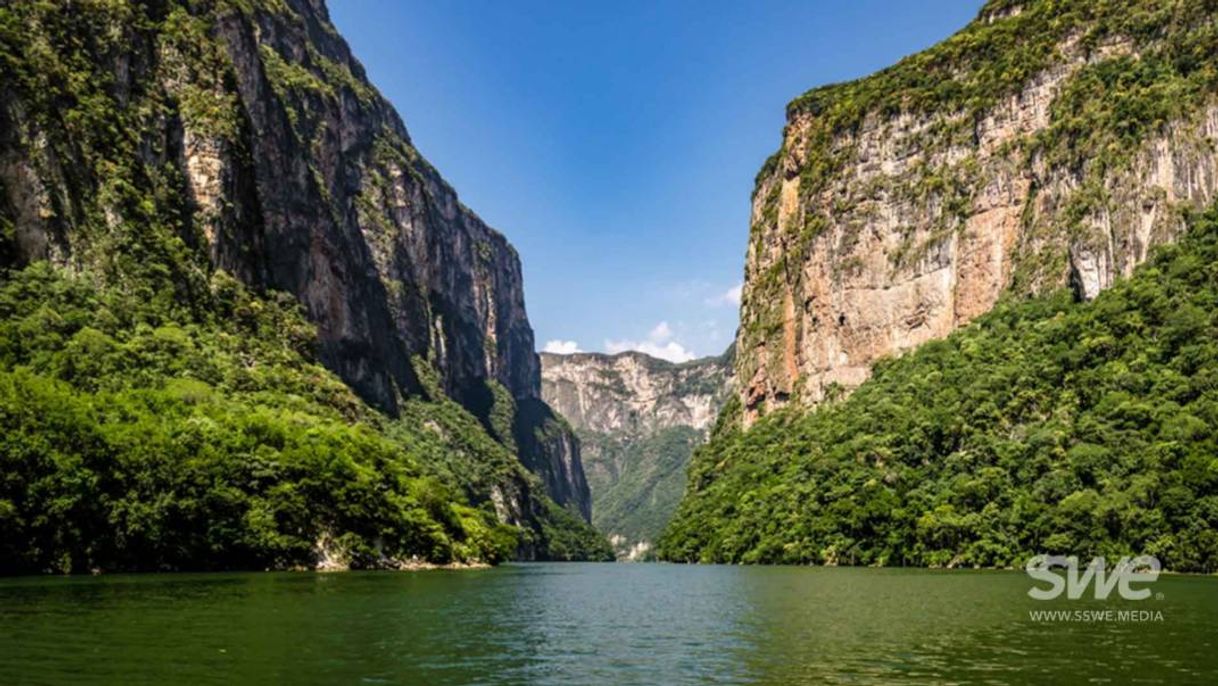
(561, 347)
(729, 297)
(671, 351)
(662, 332)
(659, 344)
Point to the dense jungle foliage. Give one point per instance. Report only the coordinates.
(138, 440)
(648, 482)
(1046, 426)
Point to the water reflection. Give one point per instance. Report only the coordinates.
(923, 626)
(594, 624)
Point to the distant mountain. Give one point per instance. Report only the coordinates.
(638, 419)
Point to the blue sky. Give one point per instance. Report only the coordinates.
(615, 143)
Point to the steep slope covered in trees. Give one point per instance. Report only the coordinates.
(1046, 426)
(1005, 177)
(180, 181)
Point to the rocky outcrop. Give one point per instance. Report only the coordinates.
(638, 419)
(245, 137)
(1040, 147)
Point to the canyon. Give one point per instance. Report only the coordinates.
(638, 420)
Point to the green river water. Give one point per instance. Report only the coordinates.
(595, 624)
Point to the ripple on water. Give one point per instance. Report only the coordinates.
(587, 623)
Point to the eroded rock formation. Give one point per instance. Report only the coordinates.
(639, 419)
(1033, 150)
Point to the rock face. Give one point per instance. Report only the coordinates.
(266, 151)
(638, 419)
(1040, 147)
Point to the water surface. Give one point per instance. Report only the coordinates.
(592, 624)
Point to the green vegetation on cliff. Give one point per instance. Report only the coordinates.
(643, 479)
(135, 439)
(156, 413)
(1109, 106)
(1046, 426)
(1013, 41)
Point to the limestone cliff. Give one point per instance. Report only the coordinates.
(1046, 144)
(243, 136)
(638, 419)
